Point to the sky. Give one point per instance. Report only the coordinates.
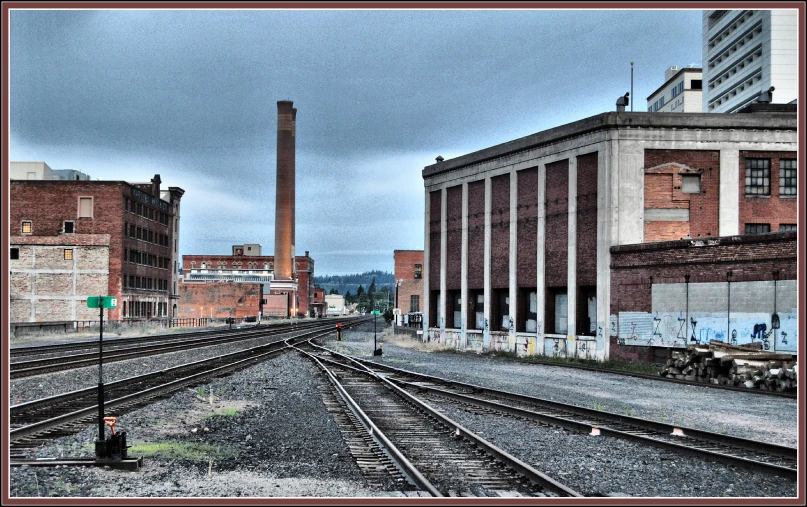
(192, 95)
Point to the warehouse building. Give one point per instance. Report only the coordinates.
(137, 225)
(519, 237)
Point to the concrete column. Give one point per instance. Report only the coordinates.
(513, 283)
(441, 310)
(540, 283)
(76, 253)
(571, 284)
(464, 269)
(604, 212)
(729, 204)
(631, 192)
(486, 273)
(426, 254)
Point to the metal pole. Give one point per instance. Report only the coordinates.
(375, 323)
(100, 371)
(686, 322)
(632, 96)
(728, 308)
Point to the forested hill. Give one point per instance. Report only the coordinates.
(344, 283)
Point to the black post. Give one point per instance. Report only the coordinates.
(101, 371)
(728, 307)
(375, 320)
(631, 86)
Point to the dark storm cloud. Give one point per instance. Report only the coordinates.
(192, 94)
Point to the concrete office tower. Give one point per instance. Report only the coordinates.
(745, 53)
(284, 208)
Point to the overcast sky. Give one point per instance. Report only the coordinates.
(192, 95)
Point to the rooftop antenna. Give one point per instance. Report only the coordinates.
(631, 85)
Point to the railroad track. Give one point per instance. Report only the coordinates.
(434, 454)
(40, 421)
(115, 350)
(759, 456)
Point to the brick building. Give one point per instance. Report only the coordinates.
(138, 222)
(518, 236)
(51, 276)
(737, 289)
(219, 300)
(247, 264)
(408, 283)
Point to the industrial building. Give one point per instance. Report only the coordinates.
(747, 54)
(71, 239)
(524, 240)
(408, 285)
(247, 266)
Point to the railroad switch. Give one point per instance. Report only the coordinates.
(114, 447)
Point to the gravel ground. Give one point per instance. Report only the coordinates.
(273, 437)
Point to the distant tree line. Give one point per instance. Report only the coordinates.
(371, 289)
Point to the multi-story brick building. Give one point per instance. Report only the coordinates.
(519, 236)
(408, 283)
(247, 264)
(138, 223)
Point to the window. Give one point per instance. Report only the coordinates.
(696, 84)
(15, 254)
(27, 226)
(124, 307)
(787, 177)
(757, 228)
(69, 227)
(782, 228)
(68, 254)
(85, 207)
(414, 303)
(757, 176)
(418, 271)
(691, 183)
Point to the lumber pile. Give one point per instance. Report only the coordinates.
(731, 365)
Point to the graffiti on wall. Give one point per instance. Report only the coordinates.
(776, 332)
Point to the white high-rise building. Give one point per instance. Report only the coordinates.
(745, 53)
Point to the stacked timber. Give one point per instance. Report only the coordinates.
(731, 365)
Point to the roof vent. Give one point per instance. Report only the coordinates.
(439, 159)
(766, 96)
(621, 102)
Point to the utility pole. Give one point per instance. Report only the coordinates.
(631, 87)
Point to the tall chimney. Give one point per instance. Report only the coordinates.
(284, 203)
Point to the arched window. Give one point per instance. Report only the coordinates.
(265, 265)
(204, 265)
(193, 264)
(272, 265)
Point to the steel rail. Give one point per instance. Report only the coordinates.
(503, 456)
(602, 420)
(404, 465)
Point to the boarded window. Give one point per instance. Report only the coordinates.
(691, 183)
(68, 254)
(85, 207)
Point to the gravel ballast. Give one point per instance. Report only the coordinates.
(273, 437)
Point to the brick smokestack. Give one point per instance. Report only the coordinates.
(284, 204)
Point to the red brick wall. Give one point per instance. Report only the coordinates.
(47, 204)
(587, 219)
(454, 237)
(663, 190)
(557, 224)
(500, 232)
(405, 261)
(225, 299)
(773, 210)
(526, 235)
(749, 257)
(434, 239)
(476, 235)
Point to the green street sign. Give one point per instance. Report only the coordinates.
(376, 312)
(102, 302)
